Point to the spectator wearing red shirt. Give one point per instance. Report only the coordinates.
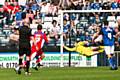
(7, 7)
(15, 8)
(118, 1)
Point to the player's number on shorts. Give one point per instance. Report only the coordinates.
(109, 35)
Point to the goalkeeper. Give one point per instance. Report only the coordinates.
(81, 48)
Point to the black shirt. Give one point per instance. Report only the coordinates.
(25, 33)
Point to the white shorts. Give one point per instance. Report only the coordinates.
(109, 49)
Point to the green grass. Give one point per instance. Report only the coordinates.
(99, 73)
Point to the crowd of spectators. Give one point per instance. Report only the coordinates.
(81, 26)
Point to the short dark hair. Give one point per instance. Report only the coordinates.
(23, 15)
(39, 27)
(64, 19)
(105, 22)
(54, 21)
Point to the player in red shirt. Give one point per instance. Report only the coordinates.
(38, 41)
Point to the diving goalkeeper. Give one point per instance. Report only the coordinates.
(81, 48)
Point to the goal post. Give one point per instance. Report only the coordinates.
(61, 38)
(79, 12)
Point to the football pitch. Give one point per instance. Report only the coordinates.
(66, 73)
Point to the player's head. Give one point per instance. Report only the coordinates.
(39, 27)
(106, 23)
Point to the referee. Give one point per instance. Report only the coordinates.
(24, 46)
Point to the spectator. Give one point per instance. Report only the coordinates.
(117, 38)
(79, 6)
(44, 7)
(112, 19)
(4, 17)
(118, 1)
(44, 10)
(87, 36)
(81, 35)
(18, 15)
(37, 15)
(96, 5)
(30, 15)
(114, 5)
(73, 24)
(15, 8)
(8, 7)
(66, 29)
(87, 5)
(65, 4)
(14, 38)
(54, 32)
(106, 6)
(53, 10)
(97, 19)
(1, 14)
(35, 7)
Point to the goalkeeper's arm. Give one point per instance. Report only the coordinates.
(70, 49)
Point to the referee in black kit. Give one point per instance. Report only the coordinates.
(24, 46)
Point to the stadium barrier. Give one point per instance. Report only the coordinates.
(117, 57)
(52, 59)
